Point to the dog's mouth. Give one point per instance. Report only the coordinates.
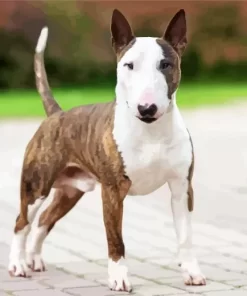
(147, 119)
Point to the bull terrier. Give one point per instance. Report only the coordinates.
(130, 146)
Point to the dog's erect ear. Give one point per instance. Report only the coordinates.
(175, 33)
(120, 30)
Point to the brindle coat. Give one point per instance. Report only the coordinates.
(81, 136)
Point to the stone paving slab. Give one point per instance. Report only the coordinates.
(227, 293)
(22, 285)
(76, 250)
(157, 290)
(211, 286)
(104, 291)
(48, 292)
(239, 283)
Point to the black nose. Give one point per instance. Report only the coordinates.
(147, 110)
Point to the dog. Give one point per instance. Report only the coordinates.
(131, 146)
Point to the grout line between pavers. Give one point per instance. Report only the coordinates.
(224, 269)
(65, 290)
(71, 252)
(80, 276)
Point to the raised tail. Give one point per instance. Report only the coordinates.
(50, 105)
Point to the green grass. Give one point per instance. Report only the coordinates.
(28, 103)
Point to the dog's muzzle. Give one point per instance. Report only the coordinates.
(147, 113)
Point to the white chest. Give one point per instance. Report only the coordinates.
(152, 154)
(146, 165)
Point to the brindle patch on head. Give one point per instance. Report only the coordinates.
(121, 52)
(172, 73)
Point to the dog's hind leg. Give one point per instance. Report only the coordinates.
(65, 199)
(38, 175)
(17, 264)
(70, 185)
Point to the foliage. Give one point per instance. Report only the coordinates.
(23, 103)
(70, 61)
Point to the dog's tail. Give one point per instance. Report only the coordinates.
(50, 105)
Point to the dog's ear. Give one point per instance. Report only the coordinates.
(120, 30)
(175, 33)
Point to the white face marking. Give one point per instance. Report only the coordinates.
(145, 84)
(118, 275)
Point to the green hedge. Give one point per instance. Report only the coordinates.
(16, 68)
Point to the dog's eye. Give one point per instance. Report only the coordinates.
(129, 65)
(164, 65)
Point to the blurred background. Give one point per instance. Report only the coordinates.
(81, 64)
(81, 69)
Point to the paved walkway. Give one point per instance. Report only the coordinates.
(76, 250)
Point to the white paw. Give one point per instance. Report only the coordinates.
(34, 249)
(118, 276)
(18, 267)
(192, 274)
(17, 261)
(35, 262)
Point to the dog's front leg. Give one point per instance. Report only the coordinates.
(182, 192)
(113, 198)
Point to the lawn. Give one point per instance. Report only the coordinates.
(28, 103)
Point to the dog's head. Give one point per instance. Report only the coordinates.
(148, 70)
